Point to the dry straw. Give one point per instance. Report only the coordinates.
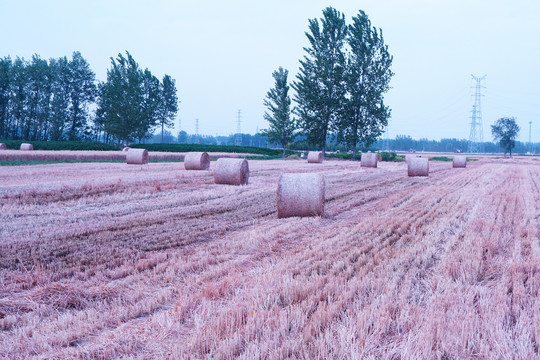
(410, 156)
(137, 156)
(27, 147)
(126, 148)
(369, 160)
(315, 157)
(197, 161)
(3, 146)
(459, 161)
(418, 167)
(300, 195)
(231, 171)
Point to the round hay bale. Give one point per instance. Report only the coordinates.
(137, 156)
(410, 156)
(459, 161)
(300, 195)
(418, 167)
(315, 157)
(231, 171)
(126, 148)
(3, 146)
(197, 161)
(27, 147)
(368, 160)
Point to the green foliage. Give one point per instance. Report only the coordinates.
(367, 78)
(168, 105)
(505, 132)
(210, 148)
(320, 86)
(42, 100)
(389, 156)
(282, 127)
(440, 158)
(344, 156)
(60, 145)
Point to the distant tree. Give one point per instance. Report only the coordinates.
(505, 132)
(169, 103)
(18, 98)
(129, 100)
(282, 127)
(60, 102)
(5, 88)
(367, 78)
(182, 137)
(320, 86)
(82, 93)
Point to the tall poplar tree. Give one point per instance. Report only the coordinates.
(367, 79)
(320, 86)
(169, 103)
(282, 127)
(83, 91)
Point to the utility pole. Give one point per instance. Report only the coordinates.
(197, 127)
(476, 137)
(238, 139)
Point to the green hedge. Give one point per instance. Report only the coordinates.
(386, 156)
(210, 148)
(60, 145)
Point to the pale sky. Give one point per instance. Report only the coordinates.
(222, 54)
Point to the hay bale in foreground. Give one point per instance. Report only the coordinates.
(418, 167)
(27, 147)
(137, 156)
(315, 157)
(300, 195)
(197, 161)
(369, 160)
(410, 156)
(459, 161)
(3, 146)
(231, 171)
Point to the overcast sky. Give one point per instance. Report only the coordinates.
(222, 54)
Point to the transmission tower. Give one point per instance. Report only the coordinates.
(197, 127)
(530, 143)
(238, 139)
(476, 137)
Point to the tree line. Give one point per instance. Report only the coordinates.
(60, 99)
(340, 88)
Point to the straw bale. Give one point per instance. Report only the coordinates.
(27, 147)
(418, 167)
(137, 156)
(315, 157)
(459, 161)
(368, 160)
(126, 148)
(300, 194)
(3, 146)
(231, 171)
(410, 156)
(197, 161)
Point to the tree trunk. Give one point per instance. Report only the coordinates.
(353, 152)
(284, 154)
(162, 133)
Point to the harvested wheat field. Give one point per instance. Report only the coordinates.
(101, 261)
